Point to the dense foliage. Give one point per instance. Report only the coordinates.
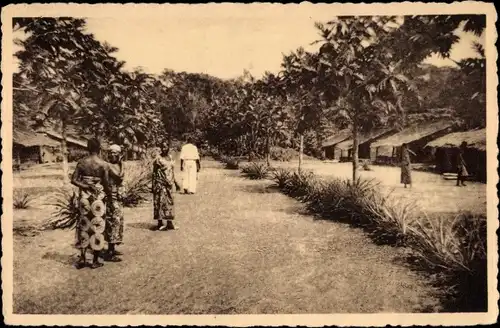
(367, 73)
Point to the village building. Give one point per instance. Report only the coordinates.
(445, 152)
(386, 150)
(328, 146)
(345, 148)
(30, 147)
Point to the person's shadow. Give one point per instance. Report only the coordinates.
(142, 225)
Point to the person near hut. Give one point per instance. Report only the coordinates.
(91, 176)
(406, 165)
(190, 166)
(462, 172)
(163, 185)
(114, 217)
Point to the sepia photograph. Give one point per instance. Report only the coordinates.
(249, 164)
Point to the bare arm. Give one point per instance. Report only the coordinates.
(116, 174)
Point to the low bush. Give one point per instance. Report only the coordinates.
(256, 171)
(281, 177)
(451, 251)
(66, 213)
(137, 182)
(21, 199)
(231, 163)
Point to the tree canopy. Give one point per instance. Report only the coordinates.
(367, 73)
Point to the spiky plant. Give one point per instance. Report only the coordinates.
(137, 182)
(281, 177)
(66, 212)
(22, 199)
(256, 171)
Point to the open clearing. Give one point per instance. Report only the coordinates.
(242, 248)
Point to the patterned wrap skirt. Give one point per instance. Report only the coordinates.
(91, 224)
(114, 218)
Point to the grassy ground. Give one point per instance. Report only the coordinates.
(242, 248)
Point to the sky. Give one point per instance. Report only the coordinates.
(222, 44)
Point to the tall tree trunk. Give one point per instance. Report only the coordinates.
(268, 151)
(64, 151)
(355, 152)
(301, 151)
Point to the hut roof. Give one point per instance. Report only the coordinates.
(474, 138)
(29, 138)
(413, 133)
(364, 137)
(53, 134)
(339, 137)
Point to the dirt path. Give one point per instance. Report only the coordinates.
(241, 249)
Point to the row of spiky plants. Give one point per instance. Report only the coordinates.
(451, 250)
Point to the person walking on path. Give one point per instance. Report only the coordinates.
(114, 218)
(190, 166)
(406, 165)
(163, 185)
(462, 166)
(91, 176)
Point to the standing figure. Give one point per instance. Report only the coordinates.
(91, 176)
(406, 165)
(190, 166)
(461, 165)
(114, 218)
(163, 185)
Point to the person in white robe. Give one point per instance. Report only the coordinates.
(190, 166)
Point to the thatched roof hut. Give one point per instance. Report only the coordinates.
(363, 138)
(28, 138)
(337, 138)
(416, 136)
(474, 138)
(413, 133)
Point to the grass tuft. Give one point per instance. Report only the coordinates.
(256, 171)
(22, 199)
(137, 182)
(66, 213)
(230, 162)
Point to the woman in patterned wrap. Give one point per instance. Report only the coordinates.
(91, 176)
(163, 185)
(462, 172)
(406, 165)
(114, 218)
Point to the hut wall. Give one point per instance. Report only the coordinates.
(329, 152)
(26, 155)
(50, 154)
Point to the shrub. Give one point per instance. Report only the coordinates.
(137, 182)
(22, 199)
(282, 154)
(455, 250)
(256, 171)
(66, 213)
(230, 162)
(281, 177)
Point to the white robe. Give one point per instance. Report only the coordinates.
(189, 154)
